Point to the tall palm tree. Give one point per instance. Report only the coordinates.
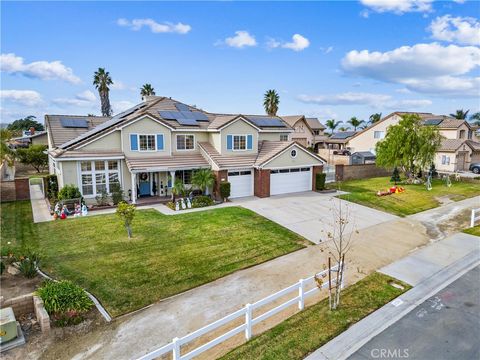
(344, 128)
(147, 90)
(355, 122)
(270, 102)
(375, 118)
(475, 119)
(460, 114)
(332, 125)
(101, 80)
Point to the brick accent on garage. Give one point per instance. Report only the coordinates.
(261, 183)
(315, 171)
(221, 175)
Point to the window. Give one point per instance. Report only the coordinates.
(185, 142)
(98, 176)
(239, 142)
(445, 160)
(379, 134)
(293, 153)
(185, 176)
(147, 142)
(462, 134)
(283, 137)
(316, 132)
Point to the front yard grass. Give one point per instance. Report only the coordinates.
(308, 330)
(416, 198)
(473, 231)
(167, 254)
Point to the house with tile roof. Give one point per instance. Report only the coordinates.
(459, 148)
(147, 147)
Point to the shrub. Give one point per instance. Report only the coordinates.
(202, 201)
(69, 192)
(171, 205)
(395, 176)
(224, 190)
(51, 182)
(28, 265)
(102, 199)
(117, 193)
(65, 301)
(320, 181)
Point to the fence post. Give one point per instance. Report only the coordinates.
(248, 322)
(301, 291)
(472, 218)
(176, 349)
(343, 276)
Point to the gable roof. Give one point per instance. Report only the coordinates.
(454, 144)
(293, 119)
(268, 150)
(315, 124)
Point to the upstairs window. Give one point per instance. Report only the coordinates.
(147, 142)
(462, 134)
(379, 134)
(283, 137)
(185, 142)
(239, 142)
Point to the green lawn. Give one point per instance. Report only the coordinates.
(416, 198)
(308, 330)
(167, 255)
(473, 231)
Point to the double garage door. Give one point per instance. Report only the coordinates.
(282, 181)
(291, 180)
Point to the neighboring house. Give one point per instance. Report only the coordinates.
(318, 129)
(37, 138)
(459, 148)
(338, 140)
(161, 139)
(302, 132)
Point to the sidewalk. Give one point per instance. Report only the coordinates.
(39, 206)
(429, 270)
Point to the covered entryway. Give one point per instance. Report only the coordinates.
(283, 181)
(241, 183)
(461, 159)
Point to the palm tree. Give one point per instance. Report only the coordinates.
(203, 179)
(344, 128)
(460, 114)
(147, 90)
(475, 119)
(270, 102)
(178, 189)
(101, 80)
(375, 118)
(332, 125)
(355, 122)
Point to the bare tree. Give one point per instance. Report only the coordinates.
(339, 241)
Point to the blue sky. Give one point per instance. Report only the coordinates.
(326, 59)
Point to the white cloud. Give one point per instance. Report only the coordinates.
(23, 97)
(121, 105)
(327, 50)
(241, 39)
(462, 30)
(55, 70)
(84, 99)
(157, 28)
(398, 6)
(298, 43)
(459, 1)
(408, 104)
(347, 98)
(365, 13)
(428, 68)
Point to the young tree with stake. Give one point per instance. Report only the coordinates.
(126, 212)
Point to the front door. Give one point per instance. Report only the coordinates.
(461, 157)
(144, 184)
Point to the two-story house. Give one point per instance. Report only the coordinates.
(146, 147)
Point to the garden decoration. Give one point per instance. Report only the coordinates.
(189, 204)
(183, 204)
(429, 182)
(457, 176)
(446, 179)
(177, 205)
(392, 190)
(78, 210)
(84, 210)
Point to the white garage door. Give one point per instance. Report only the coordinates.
(241, 183)
(290, 180)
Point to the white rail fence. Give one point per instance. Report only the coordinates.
(300, 287)
(475, 217)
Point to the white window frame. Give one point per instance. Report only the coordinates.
(154, 142)
(194, 142)
(283, 135)
(445, 160)
(381, 134)
(246, 140)
(296, 153)
(93, 172)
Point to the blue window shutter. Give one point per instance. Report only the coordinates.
(133, 142)
(229, 142)
(159, 141)
(249, 142)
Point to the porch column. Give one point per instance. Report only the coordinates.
(172, 175)
(134, 188)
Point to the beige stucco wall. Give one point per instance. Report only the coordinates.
(454, 133)
(216, 140)
(199, 137)
(146, 126)
(40, 140)
(366, 141)
(69, 173)
(273, 136)
(239, 128)
(469, 158)
(303, 158)
(109, 142)
(301, 131)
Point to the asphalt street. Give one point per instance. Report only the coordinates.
(444, 327)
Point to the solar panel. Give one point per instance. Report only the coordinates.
(185, 121)
(266, 121)
(200, 116)
(182, 107)
(169, 115)
(433, 121)
(343, 135)
(187, 115)
(74, 123)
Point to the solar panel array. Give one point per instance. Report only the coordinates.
(182, 107)
(264, 121)
(342, 135)
(433, 122)
(74, 123)
(184, 117)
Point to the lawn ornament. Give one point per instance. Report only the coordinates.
(183, 204)
(84, 210)
(446, 179)
(78, 210)
(177, 205)
(457, 176)
(189, 204)
(429, 182)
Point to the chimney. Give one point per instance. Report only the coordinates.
(32, 130)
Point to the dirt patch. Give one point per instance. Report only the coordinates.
(17, 285)
(456, 223)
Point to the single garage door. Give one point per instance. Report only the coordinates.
(241, 183)
(292, 180)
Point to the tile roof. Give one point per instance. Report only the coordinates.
(225, 161)
(166, 163)
(314, 123)
(75, 154)
(269, 149)
(60, 135)
(292, 119)
(455, 144)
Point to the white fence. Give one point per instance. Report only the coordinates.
(300, 287)
(475, 217)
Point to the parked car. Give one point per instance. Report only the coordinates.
(475, 168)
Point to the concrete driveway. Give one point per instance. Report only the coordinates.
(310, 213)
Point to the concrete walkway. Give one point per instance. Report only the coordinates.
(429, 269)
(40, 210)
